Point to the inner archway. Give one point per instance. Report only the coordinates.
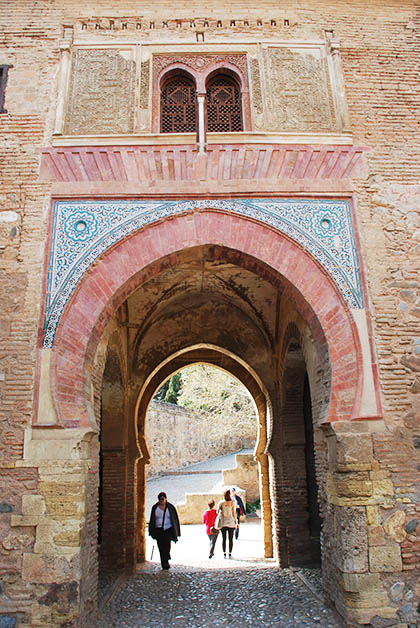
(224, 360)
(201, 433)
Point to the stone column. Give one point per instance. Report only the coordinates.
(337, 83)
(264, 478)
(201, 135)
(266, 510)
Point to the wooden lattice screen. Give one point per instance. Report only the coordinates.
(224, 111)
(178, 106)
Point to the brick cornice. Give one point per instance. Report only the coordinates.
(222, 162)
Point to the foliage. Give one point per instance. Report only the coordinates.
(173, 389)
(253, 506)
(221, 403)
(170, 389)
(161, 393)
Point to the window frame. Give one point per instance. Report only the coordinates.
(212, 78)
(4, 70)
(168, 78)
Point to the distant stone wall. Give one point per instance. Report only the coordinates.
(191, 510)
(245, 476)
(174, 439)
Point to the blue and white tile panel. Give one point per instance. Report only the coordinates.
(83, 230)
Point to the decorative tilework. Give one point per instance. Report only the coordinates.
(84, 230)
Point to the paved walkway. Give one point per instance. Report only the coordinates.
(201, 593)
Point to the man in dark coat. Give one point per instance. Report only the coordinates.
(240, 508)
(164, 527)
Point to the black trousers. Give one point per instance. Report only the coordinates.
(230, 532)
(238, 517)
(212, 539)
(163, 538)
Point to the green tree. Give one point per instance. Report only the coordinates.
(161, 393)
(174, 387)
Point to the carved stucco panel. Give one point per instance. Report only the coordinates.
(101, 98)
(256, 93)
(300, 89)
(144, 84)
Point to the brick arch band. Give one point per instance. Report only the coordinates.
(132, 261)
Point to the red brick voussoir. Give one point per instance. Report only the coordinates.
(130, 262)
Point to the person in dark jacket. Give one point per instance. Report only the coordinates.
(240, 508)
(164, 527)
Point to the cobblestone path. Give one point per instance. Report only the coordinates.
(232, 598)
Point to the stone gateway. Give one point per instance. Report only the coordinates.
(234, 185)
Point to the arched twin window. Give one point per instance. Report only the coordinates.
(178, 105)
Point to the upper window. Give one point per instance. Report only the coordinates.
(178, 107)
(224, 111)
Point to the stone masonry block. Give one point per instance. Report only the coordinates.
(394, 526)
(26, 520)
(385, 558)
(352, 452)
(367, 599)
(361, 582)
(33, 505)
(376, 535)
(372, 515)
(57, 489)
(351, 485)
(382, 488)
(363, 616)
(49, 569)
(64, 507)
(54, 538)
(352, 543)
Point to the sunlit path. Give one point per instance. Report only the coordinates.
(192, 549)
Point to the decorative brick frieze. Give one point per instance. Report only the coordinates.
(226, 162)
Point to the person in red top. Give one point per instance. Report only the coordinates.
(209, 517)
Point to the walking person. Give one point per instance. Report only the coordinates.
(239, 507)
(164, 527)
(209, 518)
(227, 508)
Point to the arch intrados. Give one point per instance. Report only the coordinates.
(108, 283)
(173, 72)
(292, 335)
(224, 69)
(248, 317)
